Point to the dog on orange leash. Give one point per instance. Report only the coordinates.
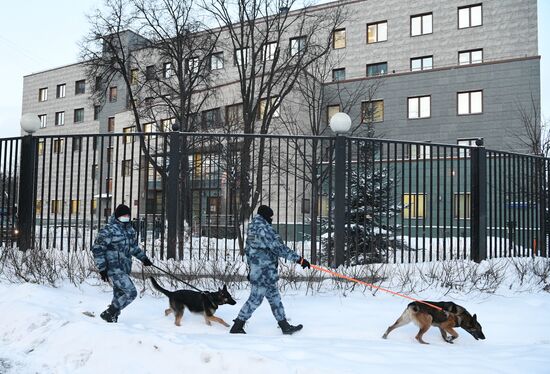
(450, 316)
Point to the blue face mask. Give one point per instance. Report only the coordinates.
(124, 219)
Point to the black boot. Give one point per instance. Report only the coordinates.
(110, 314)
(237, 327)
(287, 328)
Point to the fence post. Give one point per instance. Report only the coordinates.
(479, 202)
(25, 203)
(172, 192)
(543, 214)
(340, 199)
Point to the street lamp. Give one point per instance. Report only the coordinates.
(340, 123)
(30, 123)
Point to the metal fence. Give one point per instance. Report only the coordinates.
(337, 200)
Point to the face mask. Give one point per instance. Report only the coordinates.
(124, 219)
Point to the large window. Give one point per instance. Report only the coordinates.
(234, 114)
(211, 118)
(470, 142)
(193, 65)
(79, 115)
(297, 45)
(421, 63)
(76, 144)
(332, 110)
(134, 76)
(372, 111)
(56, 206)
(419, 107)
(242, 56)
(377, 32)
(270, 49)
(474, 56)
(97, 109)
(338, 74)
(43, 94)
(470, 102)
(265, 109)
(413, 206)
(113, 94)
(216, 61)
(462, 205)
(339, 39)
(80, 87)
(126, 169)
(470, 16)
(58, 146)
(75, 206)
(380, 68)
(128, 138)
(59, 118)
(150, 73)
(60, 91)
(43, 120)
(167, 70)
(421, 24)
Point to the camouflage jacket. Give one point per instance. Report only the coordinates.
(114, 247)
(263, 249)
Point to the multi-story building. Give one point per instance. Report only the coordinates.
(445, 71)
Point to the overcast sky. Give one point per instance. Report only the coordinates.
(36, 35)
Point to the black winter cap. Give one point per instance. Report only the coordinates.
(265, 212)
(122, 210)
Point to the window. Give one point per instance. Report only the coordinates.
(418, 151)
(75, 205)
(108, 188)
(234, 114)
(269, 51)
(216, 61)
(338, 74)
(297, 45)
(377, 32)
(56, 206)
(76, 144)
(475, 56)
(266, 109)
(80, 87)
(40, 147)
(462, 204)
(97, 109)
(197, 164)
(419, 107)
(306, 206)
(111, 124)
(421, 63)
(38, 207)
(113, 93)
(339, 39)
(43, 120)
(167, 70)
(58, 145)
(43, 94)
(332, 110)
(413, 206)
(97, 83)
(464, 152)
(372, 111)
(193, 65)
(95, 171)
(242, 56)
(148, 127)
(166, 124)
(150, 73)
(470, 102)
(60, 91)
(126, 169)
(93, 206)
(78, 115)
(109, 155)
(470, 16)
(59, 118)
(377, 69)
(128, 138)
(134, 75)
(421, 24)
(211, 118)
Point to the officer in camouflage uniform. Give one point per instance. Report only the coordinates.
(263, 249)
(113, 249)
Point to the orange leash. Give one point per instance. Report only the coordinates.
(372, 285)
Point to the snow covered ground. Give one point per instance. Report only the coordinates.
(43, 330)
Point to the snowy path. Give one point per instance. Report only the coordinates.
(43, 331)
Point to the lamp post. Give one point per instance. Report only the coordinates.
(30, 123)
(340, 123)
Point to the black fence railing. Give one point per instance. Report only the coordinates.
(337, 200)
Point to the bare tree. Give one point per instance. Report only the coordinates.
(534, 133)
(268, 68)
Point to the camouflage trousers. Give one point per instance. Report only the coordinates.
(257, 294)
(124, 291)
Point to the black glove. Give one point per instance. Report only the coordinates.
(146, 262)
(104, 276)
(305, 263)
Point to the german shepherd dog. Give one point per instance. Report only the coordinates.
(197, 302)
(451, 315)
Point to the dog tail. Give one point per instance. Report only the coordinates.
(159, 288)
